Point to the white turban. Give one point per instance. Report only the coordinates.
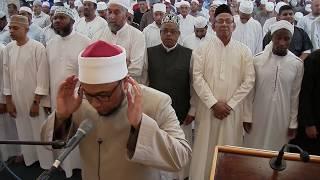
(246, 7)
(101, 6)
(279, 5)
(26, 9)
(130, 11)
(159, 7)
(200, 22)
(124, 3)
(45, 4)
(263, 2)
(184, 3)
(270, 6)
(298, 16)
(282, 24)
(93, 1)
(64, 10)
(196, 1)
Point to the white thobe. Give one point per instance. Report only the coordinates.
(305, 23)
(63, 64)
(267, 25)
(35, 32)
(186, 25)
(5, 35)
(25, 74)
(193, 42)
(272, 105)
(133, 41)
(249, 34)
(152, 35)
(48, 34)
(8, 129)
(90, 29)
(224, 73)
(42, 20)
(210, 30)
(315, 34)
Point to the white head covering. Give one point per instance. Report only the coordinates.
(57, 1)
(279, 5)
(184, 3)
(177, 4)
(93, 1)
(308, 8)
(65, 11)
(270, 6)
(2, 14)
(200, 22)
(101, 6)
(298, 16)
(246, 7)
(45, 4)
(293, 3)
(159, 7)
(282, 24)
(37, 2)
(263, 2)
(53, 8)
(196, 1)
(26, 9)
(124, 3)
(78, 3)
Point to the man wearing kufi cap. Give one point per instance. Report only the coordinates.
(223, 75)
(143, 8)
(306, 22)
(102, 9)
(134, 126)
(13, 7)
(48, 32)
(38, 17)
(72, 5)
(269, 22)
(265, 12)
(194, 8)
(186, 20)
(121, 33)
(26, 87)
(248, 30)
(272, 106)
(45, 7)
(147, 17)
(152, 31)
(62, 53)
(90, 24)
(300, 44)
(35, 32)
(4, 29)
(199, 36)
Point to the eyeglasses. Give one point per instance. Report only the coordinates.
(102, 97)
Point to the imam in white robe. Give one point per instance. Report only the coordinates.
(186, 25)
(193, 42)
(152, 35)
(90, 29)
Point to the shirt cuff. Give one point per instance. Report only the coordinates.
(306, 51)
(132, 141)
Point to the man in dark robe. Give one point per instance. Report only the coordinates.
(300, 44)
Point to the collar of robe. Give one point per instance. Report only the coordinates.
(123, 29)
(169, 49)
(68, 36)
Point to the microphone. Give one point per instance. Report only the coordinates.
(84, 128)
(278, 164)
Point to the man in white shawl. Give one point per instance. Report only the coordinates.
(272, 106)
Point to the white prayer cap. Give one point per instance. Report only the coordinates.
(2, 14)
(45, 4)
(279, 5)
(308, 8)
(130, 11)
(159, 7)
(57, 1)
(166, 1)
(93, 1)
(26, 9)
(282, 24)
(200, 22)
(270, 6)
(196, 1)
(264, 2)
(78, 3)
(293, 3)
(177, 4)
(124, 3)
(65, 11)
(246, 7)
(101, 6)
(53, 8)
(298, 16)
(184, 3)
(37, 3)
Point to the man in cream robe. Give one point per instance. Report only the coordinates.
(248, 30)
(120, 33)
(273, 104)
(223, 75)
(62, 52)
(26, 87)
(186, 20)
(133, 137)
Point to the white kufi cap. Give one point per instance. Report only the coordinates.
(200, 22)
(282, 24)
(246, 7)
(159, 7)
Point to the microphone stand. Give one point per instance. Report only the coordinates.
(55, 144)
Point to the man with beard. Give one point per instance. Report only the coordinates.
(272, 106)
(90, 24)
(120, 33)
(62, 53)
(186, 20)
(40, 18)
(135, 132)
(26, 88)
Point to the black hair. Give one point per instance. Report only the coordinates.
(222, 9)
(285, 8)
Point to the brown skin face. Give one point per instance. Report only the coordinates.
(62, 24)
(81, 11)
(17, 32)
(103, 14)
(224, 26)
(157, 17)
(45, 9)
(169, 33)
(194, 7)
(200, 32)
(184, 10)
(315, 6)
(143, 6)
(117, 17)
(281, 40)
(244, 18)
(105, 98)
(12, 9)
(287, 15)
(89, 9)
(36, 9)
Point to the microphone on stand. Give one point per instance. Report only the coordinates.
(84, 128)
(278, 164)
